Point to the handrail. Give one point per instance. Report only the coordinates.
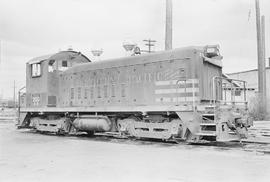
(193, 95)
(214, 96)
(178, 82)
(19, 102)
(185, 88)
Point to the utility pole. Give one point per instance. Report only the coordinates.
(260, 55)
(14, 94)
(1, 57)
(0, 54)
(1, 91)
(168, 31)
(263, 61)
(149, 44)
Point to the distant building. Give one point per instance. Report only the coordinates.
(251, 77)
(7, 103)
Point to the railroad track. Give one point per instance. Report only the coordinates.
(113, 137)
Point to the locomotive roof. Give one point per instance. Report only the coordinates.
(49, 56)
(40, 59)
(179, 53)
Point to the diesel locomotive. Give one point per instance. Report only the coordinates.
(178, 95)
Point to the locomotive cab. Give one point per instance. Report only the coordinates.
(42, 80)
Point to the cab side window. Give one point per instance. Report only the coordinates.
(36, 69)
(51, 66)
(63, 65)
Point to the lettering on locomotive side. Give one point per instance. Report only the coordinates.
(167, 74)
(170, 74)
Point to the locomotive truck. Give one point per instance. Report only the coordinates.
(178, 95)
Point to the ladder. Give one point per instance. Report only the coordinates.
(208, 124)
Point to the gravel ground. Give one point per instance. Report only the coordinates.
(28, 156)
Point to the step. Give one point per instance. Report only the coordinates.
(210, 106)
(206, 108)
(208, 124)
(208, 114)
(232, 133)
(207, 133)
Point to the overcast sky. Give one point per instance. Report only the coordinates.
(31, 28)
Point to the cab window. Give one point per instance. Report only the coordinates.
(63, 65)
(36, 69)
(51, 66)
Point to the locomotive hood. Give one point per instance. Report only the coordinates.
(175, 54)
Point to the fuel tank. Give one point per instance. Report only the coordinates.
(93, 123)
